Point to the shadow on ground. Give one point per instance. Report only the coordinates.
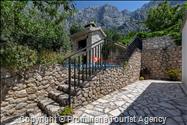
(158, 100)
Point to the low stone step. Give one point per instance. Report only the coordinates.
(50, 107)
(76, 82)
(59, 96)
(65, 89)
(80, 84)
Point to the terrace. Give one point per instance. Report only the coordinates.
(142, 102)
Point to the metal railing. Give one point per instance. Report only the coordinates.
(85, 63)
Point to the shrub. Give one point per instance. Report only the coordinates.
(67, 111)
(178, 38)
(125, 64)
(17, 57)
(173, 74)
(113, 35)
(141, 78)
(50, 57)
(60, 58)
(126, 40)
(47, 57)
(65, 114)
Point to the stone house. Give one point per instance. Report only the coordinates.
(87, 37)
(184, 51)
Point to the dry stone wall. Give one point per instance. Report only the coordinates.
(22, 94)
(160, 54)
(110, 80)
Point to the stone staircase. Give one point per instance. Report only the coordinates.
(58, 99)
(79, 75)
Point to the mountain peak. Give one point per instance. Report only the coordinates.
(108, 16)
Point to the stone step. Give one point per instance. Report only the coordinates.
(65, 89)
(75, 82)
(50, 107)
(35, 112)
(59, 96)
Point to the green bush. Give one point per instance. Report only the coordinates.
(125, 64)
(173, 74)
(50, 57)
(127, 39)
(17, 57)
(67, 111)
(141, 78)
(113, 35)
(178, 37)
(60, 58)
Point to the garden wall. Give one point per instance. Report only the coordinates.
(20, 94)
(160, 54)
(110, 80)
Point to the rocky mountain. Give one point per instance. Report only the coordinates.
(108, 16)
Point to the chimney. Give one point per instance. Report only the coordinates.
(90, 25)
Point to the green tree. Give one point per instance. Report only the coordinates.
(29, 27)
(162, 17)
(38, 24)
(113, 35)
(75, 28)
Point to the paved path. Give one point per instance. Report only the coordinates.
(144, 102)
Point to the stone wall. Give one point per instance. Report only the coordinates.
(22, 94)
(160, 54)
(110, 80)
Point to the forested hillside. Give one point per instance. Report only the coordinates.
(38, 32)
(33, 32)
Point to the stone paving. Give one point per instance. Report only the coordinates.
(148, 102)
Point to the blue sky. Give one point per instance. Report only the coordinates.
(121, 5)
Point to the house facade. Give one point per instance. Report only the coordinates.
(184, 53)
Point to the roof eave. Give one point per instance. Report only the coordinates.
(86, 31)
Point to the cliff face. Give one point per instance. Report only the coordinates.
(108, 16)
